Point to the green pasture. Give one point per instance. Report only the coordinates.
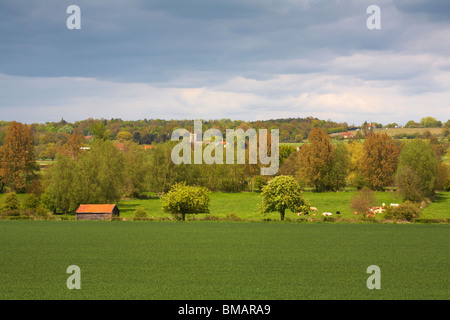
(246, 205)
(223, 260)
(439, 208)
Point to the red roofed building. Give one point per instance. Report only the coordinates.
(348, 135)
(97, 211)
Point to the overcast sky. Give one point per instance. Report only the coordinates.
(213, 59)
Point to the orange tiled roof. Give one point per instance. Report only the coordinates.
(95, 208)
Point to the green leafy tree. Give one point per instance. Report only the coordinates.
(124, 136)
(137, 168)
(339, 168)
(283, 193)
(408, 183)
(101, 174)
(183, 199)
(163, 172)
(96, 177)
(443, 179)
(392, 125)
(423, 163)
(284, 152)
(60, 194)
(412, 124)
(32, 201)
(99, 131)
(430, 122)
(51, 151)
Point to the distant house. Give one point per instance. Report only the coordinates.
(119, 145)
(348, 135)
(97, 211)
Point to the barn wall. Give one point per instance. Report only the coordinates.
(93, 216)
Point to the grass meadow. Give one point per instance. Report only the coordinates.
(223, 260)
(246, 205)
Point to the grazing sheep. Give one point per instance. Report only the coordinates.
(394, 204)
(327, 214)
(338, 212)
(313, 209)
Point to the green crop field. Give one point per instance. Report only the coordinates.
(223, 260)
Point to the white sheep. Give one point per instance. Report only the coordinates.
(327, 214)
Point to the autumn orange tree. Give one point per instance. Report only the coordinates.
(316, 157)
(379, 160)
(322, 164)
(18, 165)
(72, 147)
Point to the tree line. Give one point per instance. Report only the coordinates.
(105, 173)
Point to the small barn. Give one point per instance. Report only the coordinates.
(97, 211)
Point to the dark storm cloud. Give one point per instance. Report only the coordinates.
(157, 40)
(434, 9)
(249, 59)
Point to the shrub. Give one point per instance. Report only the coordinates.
(362, 200)
(329, 219)
(40, 211)
(139, 213)
(10, 201)
(211, 218)
(428, 220)
(11, 213)
(31, 201)
(232, 216)
(405, 211)
(233, 185)
(259, 182)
